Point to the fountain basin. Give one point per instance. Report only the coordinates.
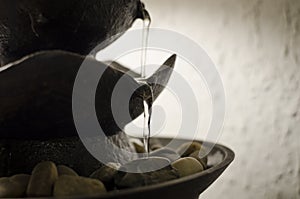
(189, 187)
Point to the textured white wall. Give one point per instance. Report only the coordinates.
(256, 46)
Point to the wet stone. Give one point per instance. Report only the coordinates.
(77, 186)
(187, 166)
(132, 180)
(138, 145)
(42, 179)
(155, 144)
(143, 165)
(155, 147)
(166, 153)
(129, 180)
(64, 170)
(14, 187)
(106, 174)
(146, 172)
(187, 148)
(203, 160)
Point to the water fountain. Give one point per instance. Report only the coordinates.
(42, 46)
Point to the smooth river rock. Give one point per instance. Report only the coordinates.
(145, 173)
(203, 160)
(14, 187)
(187, 148)
(77, 186)
(165, 153)
(138, 145)
(106, 174)
(187, 166)
(132, 180)
(42, 179)
(64, 170)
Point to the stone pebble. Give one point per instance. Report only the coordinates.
(42, 179)
(106, 174)
(187, 166)
(47, 179)
(132, 180)
(138, 145)
(187, 148)
(67, 185)
(14, 187)
(203, 160)
(64, 170)
(165, 153)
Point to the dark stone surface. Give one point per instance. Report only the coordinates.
(72, 25)
(4, 158)
(36, 95)
(23, 155)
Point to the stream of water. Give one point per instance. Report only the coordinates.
(148, 97)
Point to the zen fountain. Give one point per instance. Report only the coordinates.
(42, 46)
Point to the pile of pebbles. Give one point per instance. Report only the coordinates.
(48, 179)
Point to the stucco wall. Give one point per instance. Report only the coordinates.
(256, 47)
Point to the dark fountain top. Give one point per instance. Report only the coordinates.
(42, 46)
